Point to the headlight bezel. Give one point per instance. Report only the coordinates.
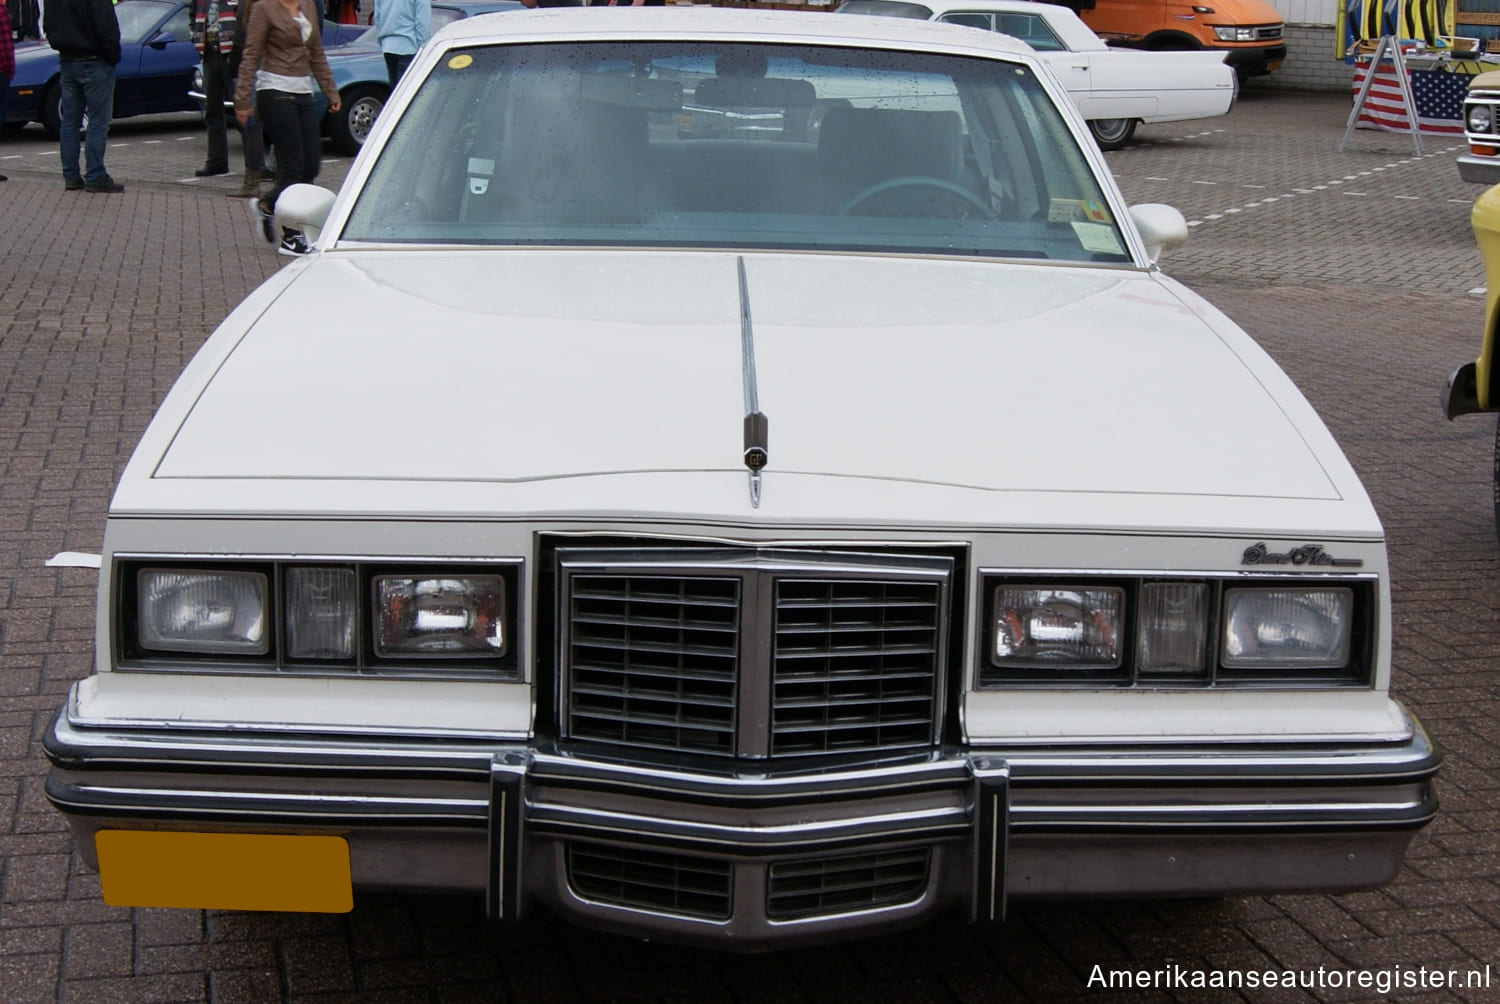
(130, 654)
(1488, 109)
(989, 674)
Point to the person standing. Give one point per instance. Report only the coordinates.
(403, 26)
(283, 55)
(7, 62)
(25, 18)
(86, 35)
(253, 136)
(213, 37)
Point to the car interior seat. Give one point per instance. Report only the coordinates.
(861, 147)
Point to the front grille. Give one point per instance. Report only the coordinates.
(652, 661)
(1274, 31)
(753, 654)
(819, 887)
(678, 884)
(855, 665)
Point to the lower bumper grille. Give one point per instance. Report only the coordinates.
(818, 887)
(677, 884)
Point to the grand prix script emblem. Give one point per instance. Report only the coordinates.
(1307, 554)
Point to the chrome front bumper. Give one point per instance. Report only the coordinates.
(788, 857)
(1479, 170)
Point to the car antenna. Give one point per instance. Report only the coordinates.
(757, 427)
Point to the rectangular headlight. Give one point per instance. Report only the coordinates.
(1063, 628)
(439, 615)
(1287, 627)
(209, 612)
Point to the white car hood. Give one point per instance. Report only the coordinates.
(606, 388)
(512, 367)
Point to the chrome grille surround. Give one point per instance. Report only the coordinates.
(746, 653)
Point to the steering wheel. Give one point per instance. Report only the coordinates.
(917, 181)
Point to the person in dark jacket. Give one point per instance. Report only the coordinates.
(213, 36)
(86, 35)
(25, 19)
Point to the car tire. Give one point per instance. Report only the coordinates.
(350, 126)
(49, 110)
(1112, 134)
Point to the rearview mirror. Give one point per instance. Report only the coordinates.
(1162, 228)
(304, 208)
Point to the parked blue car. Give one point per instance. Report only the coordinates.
(359, 72)
(156, 68)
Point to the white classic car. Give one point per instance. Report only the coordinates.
(801, 524)
(1116, 89)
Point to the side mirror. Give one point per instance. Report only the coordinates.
(1162, 228)
(304, 208)
(162, 40)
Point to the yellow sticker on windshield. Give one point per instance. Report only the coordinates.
(461, 62)
(1071, 210)
(1095, 211)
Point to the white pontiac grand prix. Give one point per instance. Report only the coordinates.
(735, 477)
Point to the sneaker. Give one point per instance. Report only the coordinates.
(292, 243)
(210, 170)
(261, 220)
(104, 184)
(73, 184)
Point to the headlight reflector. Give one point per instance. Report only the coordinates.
(1287, 627)
(1064, 628)
(1479, 118)
(321, 607)
(439, 615)
(211, 612)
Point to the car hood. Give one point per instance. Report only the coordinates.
(36, 62)
(543, 366)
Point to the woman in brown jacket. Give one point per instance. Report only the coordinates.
(283, 55)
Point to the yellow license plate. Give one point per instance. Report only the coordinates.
(225, 871)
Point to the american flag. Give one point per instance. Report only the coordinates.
(1439, 96)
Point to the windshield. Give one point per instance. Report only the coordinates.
(676, 144)
(138, 17)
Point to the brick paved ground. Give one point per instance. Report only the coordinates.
(1357, 277)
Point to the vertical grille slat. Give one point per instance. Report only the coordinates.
(667, 649)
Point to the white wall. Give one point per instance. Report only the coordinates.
(1308, 12)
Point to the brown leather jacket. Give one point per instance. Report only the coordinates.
(273, 42)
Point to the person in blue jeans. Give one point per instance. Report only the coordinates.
(86, 35)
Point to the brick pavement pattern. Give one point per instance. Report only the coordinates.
(1355, 270)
